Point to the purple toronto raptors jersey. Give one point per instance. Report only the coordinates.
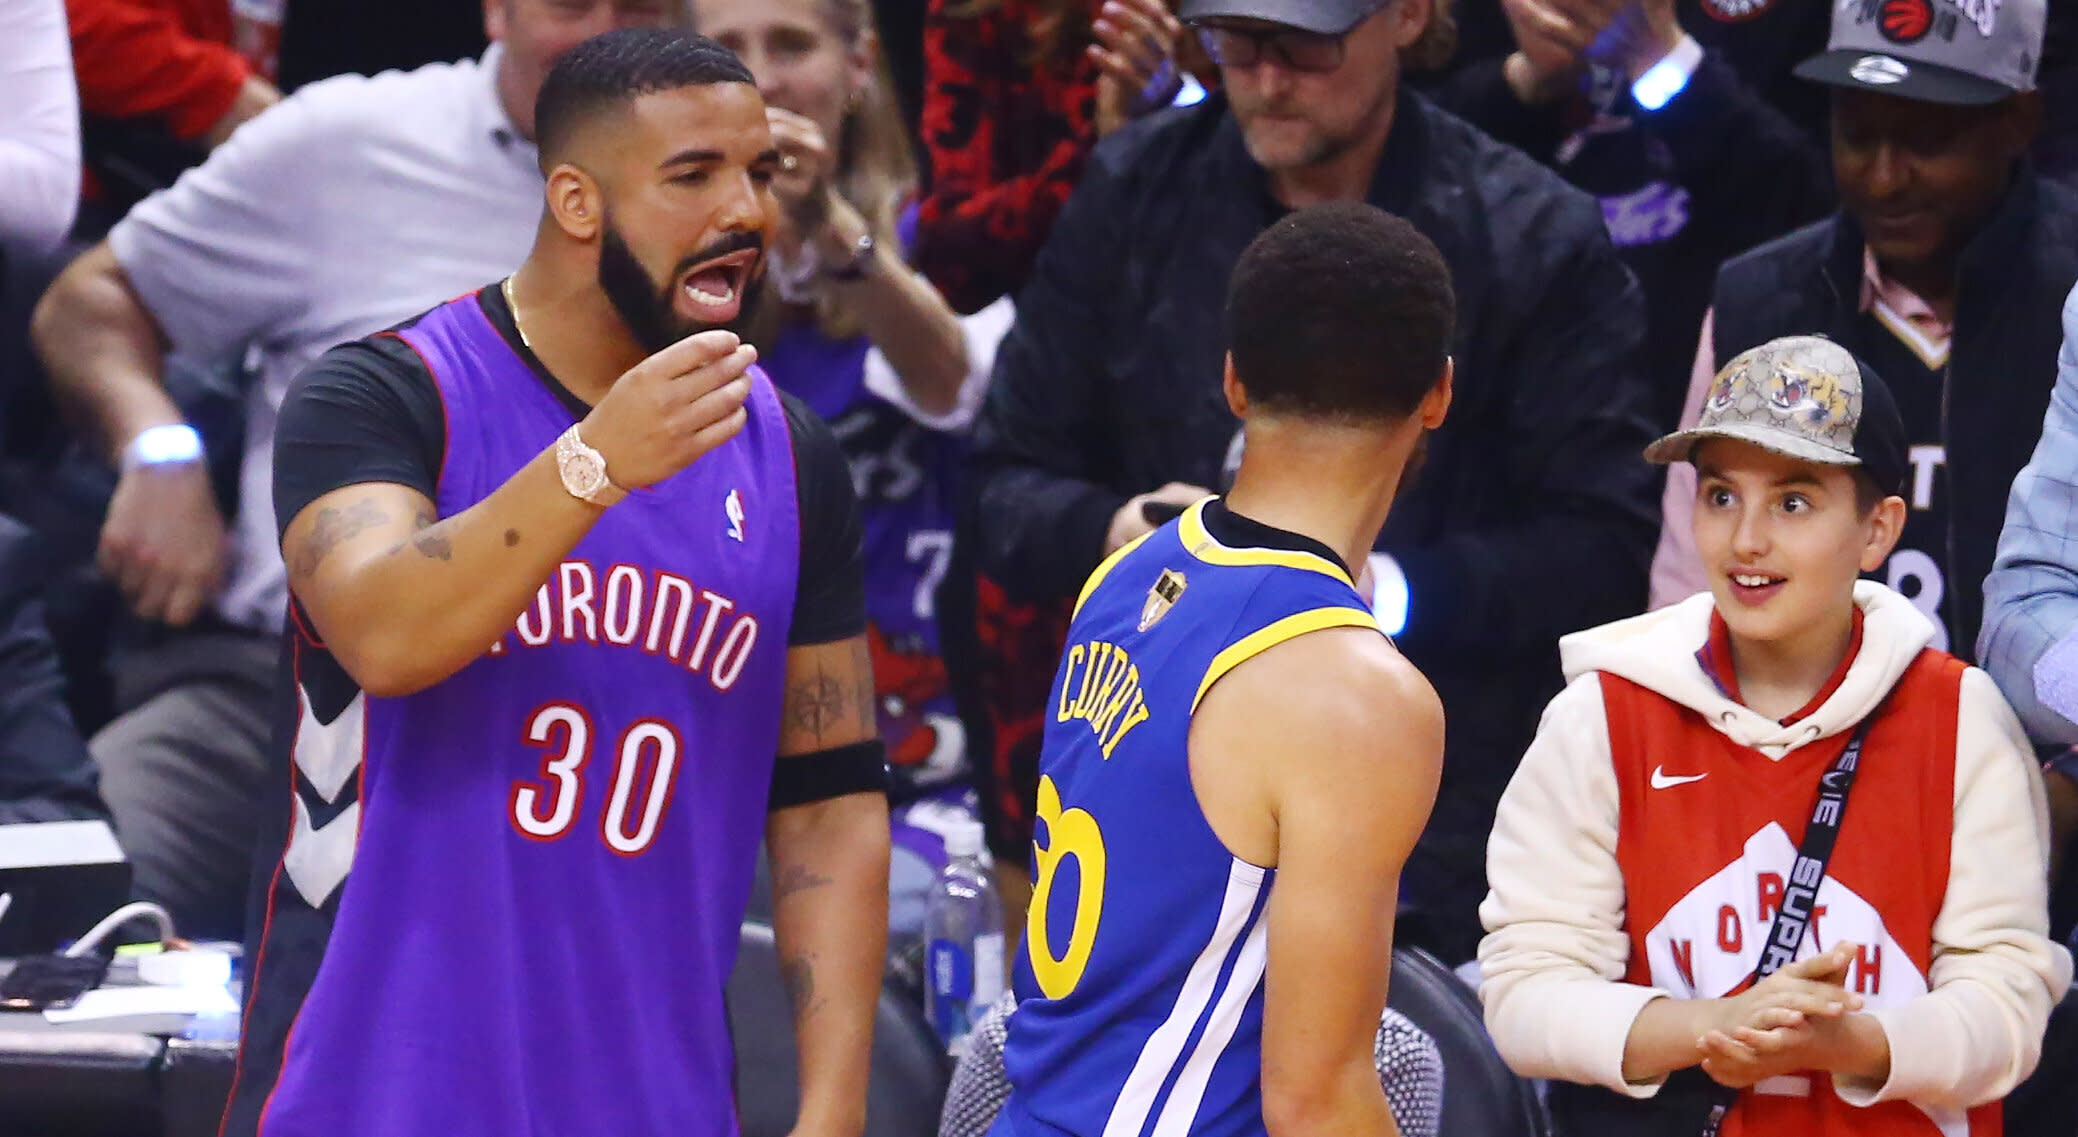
(554, 846)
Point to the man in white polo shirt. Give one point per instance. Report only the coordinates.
(353, 205)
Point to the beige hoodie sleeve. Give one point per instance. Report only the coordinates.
(1554, 956)
(1996, 974)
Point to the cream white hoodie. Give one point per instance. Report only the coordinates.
(1554, 957)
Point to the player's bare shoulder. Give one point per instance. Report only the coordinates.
(1337, 718)
(1351, 686)
(1340, 700)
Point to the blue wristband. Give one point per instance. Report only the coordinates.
(166, 445)
(1669, 77)
(1160, 91)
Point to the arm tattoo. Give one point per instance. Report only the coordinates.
(798, 973)
(832, 703)
(431, 544)
(816, 704)
(333, 526)
(796, 878)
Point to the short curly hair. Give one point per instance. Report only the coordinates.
(1340, 311)
(620, 66)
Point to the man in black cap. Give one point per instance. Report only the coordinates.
(1944, 269)
(1531, 515)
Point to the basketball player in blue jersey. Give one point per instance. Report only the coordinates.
(577, 619)
(1237, 761)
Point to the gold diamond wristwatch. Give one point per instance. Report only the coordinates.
(584, 471)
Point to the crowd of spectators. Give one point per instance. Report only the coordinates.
(1008, 227)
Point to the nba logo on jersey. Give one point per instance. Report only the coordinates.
(1161, 598)
(733, 507)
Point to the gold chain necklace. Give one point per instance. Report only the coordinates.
(513, 305)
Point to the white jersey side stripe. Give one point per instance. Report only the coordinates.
(1182, 1107)
(1164, 1047)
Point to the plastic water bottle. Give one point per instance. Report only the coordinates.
(963, 937)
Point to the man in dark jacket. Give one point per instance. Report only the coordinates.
(1945, 270)
(45, 773)
(1532, 513)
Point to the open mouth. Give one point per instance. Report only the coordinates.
(712, 291)
(1755, 587)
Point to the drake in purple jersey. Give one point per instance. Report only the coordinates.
(539, 688)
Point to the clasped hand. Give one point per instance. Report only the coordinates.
(1796, 1019)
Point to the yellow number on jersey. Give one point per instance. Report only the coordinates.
(1072, 833)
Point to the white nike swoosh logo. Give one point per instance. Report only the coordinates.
(1661, 781)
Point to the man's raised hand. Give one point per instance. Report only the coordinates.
(671, 408)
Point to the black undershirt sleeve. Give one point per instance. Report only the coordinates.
(366, 411)
(830, 603)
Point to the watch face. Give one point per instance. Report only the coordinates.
(590, 473)
(584, 473)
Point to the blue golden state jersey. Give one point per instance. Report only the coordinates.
(1140, 984)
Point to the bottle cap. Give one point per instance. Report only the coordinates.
(963, 839)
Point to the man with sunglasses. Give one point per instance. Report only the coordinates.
(1531, 516)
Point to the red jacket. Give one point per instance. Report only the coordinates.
(165, 59)
(1006, 135)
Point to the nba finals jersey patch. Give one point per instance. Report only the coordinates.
(1161, 598)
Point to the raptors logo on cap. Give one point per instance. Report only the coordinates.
(1905, 21)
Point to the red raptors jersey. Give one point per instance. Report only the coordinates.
(1707, 834)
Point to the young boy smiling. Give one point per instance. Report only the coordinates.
(1660, 843)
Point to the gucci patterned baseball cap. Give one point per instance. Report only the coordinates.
(1806, 397)
(1968, 52)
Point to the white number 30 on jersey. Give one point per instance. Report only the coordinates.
(544, 809)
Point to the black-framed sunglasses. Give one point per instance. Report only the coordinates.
(1232, 46)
